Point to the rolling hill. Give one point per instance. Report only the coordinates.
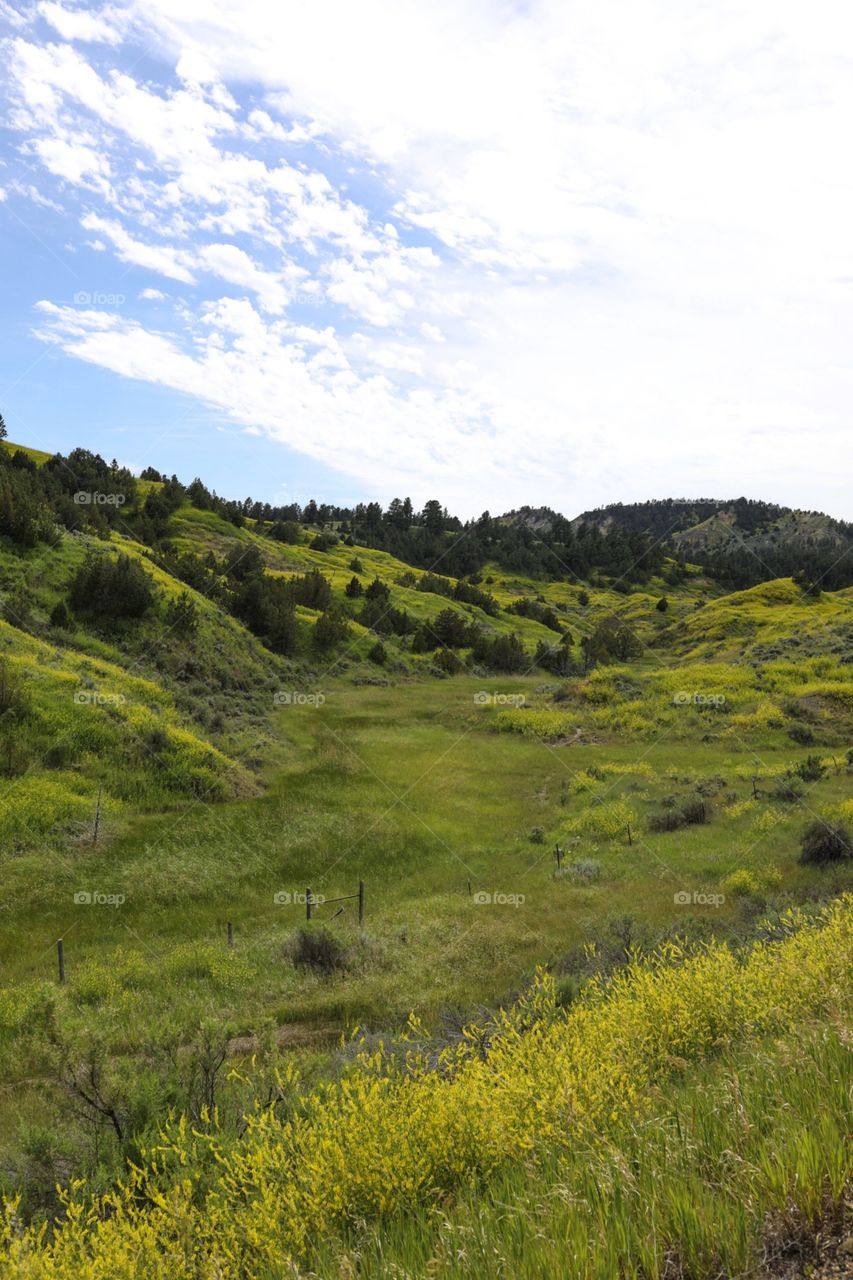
(576, 772)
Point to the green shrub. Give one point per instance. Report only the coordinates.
(810, 769)
(823, 842)
(317, 948)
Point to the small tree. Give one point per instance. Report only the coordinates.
(3, 431)
(354, 589)
(378, 654)
(330, 629)
(60, 616)
(662, 605)
(378, 590)
(182, 615)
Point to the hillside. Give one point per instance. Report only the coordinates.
(739, 542)
(577, 791)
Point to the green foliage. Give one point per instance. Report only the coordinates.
(60, 616)
(108, 587)
(316, 947)
(330, 629)
(378, 653)
(182, 615)
(811, 769)
(824, 842)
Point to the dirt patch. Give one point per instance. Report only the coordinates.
(292, 1036)
(797, 1252)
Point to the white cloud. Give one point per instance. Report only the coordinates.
(606, 246)
(78, 24)
(152, 295)
(163, 259)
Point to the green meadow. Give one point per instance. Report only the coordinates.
(172, 788)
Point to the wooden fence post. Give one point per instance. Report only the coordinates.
(630, 841)
(361, 902)
(558, 854)
(60, 955)
(97, 817)
(308, 904)
(230, 934)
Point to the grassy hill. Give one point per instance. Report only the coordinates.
(741, 541)
(598, 779)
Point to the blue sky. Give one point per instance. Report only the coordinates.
(498, 254)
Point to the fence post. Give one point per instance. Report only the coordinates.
(361, 902)
(230, 934)
(60, 955)
(558, 854)
(630, 841)
(308, 904)
(97, 817)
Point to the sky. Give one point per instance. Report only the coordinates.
(561, 253)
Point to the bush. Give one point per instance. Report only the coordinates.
(692, 813)
(378, 654)
(330, 629)
(182, 615)
(60, 616)
(810, 769)
(324, 542)
(317, 948)
(448, 662)
(823, 842)
(749, 883)
(787, 792)
(669, 820)
(584, 869)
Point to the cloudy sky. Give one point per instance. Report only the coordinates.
(496, 253)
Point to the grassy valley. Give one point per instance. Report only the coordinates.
(599, 797)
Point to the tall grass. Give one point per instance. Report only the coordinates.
(402, 1130)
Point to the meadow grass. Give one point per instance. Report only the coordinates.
(732, 1171)
(573, 1089)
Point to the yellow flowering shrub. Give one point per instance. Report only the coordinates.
(392, 1133)
(602, 821)
(747, 882)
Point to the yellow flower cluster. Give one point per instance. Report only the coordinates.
(397, 1129)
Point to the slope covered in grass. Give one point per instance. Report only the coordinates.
(402, 1125)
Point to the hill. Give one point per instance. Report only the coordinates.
(739, 542)
(567, 796)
